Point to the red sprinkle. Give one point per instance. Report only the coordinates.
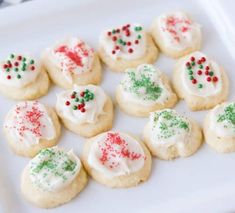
(8, 77)
(208, 79)
(203, 59)
(67, 103)
(83, 110)
(109, 33)
(130, 50)
(188, 64)
(194, 81)
(32, 68)
(117, 47)
(199, 62)
(114, 38)
(5, 66)
(192, 58)
(199, 72)
(207, 67)
(113, 52)
(19, 57)
(207, 72)
(136, 41)
(16, 64)
(82, 94)
(128, 43)
(215, 79)
(73, 96)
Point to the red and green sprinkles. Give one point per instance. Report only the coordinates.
(78, 100)
(197, 67)
(122, 36)
(16, 65)
(115, 147)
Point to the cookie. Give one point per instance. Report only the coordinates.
(72, 61)
(52, 178)
(219, 127)
(23, 78)
(116, 159)
(176, 34)
(169, 135)
(85, 110)
(30, 126)
(144, 89)
(200, 81)
(126, 46)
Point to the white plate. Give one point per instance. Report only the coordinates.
(204, 181)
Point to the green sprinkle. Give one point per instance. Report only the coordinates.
(139, 36)
(16, 69)
(12, 56)
(113, 31)
(75, 107)
(211, 73)
(201, 66)
(191, 77)
(32, 61)
(120, 41)
(228, 115)
(200, 86)
(76, 99)
(190, 72)
(82, 100)
(18, 76)
(193, 63)
(24, 59)
(7, 69)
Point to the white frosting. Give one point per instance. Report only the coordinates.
(14, 76)
(28, 122)
(208, 88)
(53, 169)
(116, 154)
(168, 128)
(72, 57)
(93, 108)
(144, 86)
(177, 30)
(222, 120)
(134, 36)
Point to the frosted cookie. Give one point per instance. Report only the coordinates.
(169, 135)
(30, 126)
(85, 110)
(52, 178)
(219, 127)
(116, 159)
(144, 89)
(21, 78)
(176, 34)
(126, 46)
(71, 62)
(200, 81)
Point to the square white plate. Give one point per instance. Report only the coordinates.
(202, 182)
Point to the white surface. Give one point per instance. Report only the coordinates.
(203, 182)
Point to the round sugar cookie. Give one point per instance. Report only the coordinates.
(22, 78)
(52, 178)
(72, 61)
(176, 34)
(126, 46)
(200, 81)
(169, 135)
(85, 110)
(144, 89)
(31, 126)
(116, 159)
(219, 127)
